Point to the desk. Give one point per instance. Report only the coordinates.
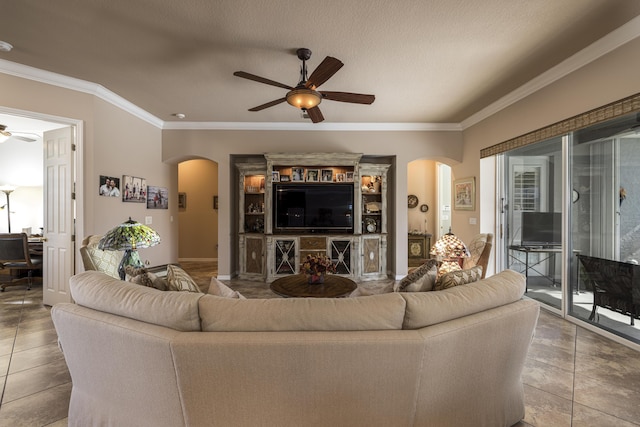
(550, 254)
(296, 286)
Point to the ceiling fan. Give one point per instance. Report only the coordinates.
(305, 95)
(5, 135)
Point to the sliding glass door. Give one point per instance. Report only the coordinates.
(532, 210)
(571, 223)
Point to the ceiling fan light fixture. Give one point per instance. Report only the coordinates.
(4, 134)
(304, 98)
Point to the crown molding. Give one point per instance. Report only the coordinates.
(66, 82)
(286, 126)
(599, 48)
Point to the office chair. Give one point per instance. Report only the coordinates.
(15, 257)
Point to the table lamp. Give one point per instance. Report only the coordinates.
(451, 250)
(129, 237)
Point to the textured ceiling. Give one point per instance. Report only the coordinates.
(427, 61)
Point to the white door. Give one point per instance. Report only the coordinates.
(58, 254)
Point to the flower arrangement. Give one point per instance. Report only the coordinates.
(316, 267)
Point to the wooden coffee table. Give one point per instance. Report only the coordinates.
(296, 286)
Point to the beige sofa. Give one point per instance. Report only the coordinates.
(142, 357)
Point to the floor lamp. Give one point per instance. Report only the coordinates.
(8, 189)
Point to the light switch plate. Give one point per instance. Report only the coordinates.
(148, 220)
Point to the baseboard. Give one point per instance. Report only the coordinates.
(198, 259)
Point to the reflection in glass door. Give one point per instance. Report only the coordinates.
(533, 224)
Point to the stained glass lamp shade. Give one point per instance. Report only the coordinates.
(129, 237)
(450, 249)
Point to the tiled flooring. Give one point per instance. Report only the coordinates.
(573, 377)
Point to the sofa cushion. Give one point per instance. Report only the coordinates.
(175, 310)
(376, 312)
(429, 308)
(219, 289)
(179, 280)
(421, 279)
(458, 277)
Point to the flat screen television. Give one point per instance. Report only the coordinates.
(313, 208)
(541, 228)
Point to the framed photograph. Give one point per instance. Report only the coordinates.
(275, 176)
(340, 177)
(349, 176)
(327, 175)
(285, 178)
(464, 194)
(134, 189)
(182, 200)
(215, 202)
(157, 197)
(109, 186)
(297, 174)
(312, 175)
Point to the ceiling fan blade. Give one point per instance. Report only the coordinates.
(356, 98)
(268, 104)
(315, 114)
(327, 68)
(261, 80)
(23, 138)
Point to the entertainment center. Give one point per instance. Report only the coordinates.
(296, 204)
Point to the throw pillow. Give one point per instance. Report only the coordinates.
(421, 279)
(360, 292)
(458, 277)
(219, 289)
(179, 280)
(140, 276)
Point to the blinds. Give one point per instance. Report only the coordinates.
(615, 109)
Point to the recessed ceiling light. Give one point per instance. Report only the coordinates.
(179, 115)
(5, 47)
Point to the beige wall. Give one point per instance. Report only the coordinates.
(422, 182)
(114, 143)
(219, 145)
(198, 222)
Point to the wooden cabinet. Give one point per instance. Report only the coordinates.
(269, 251)
(418, 249)
(251, 221)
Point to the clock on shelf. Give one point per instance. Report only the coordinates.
(370, 225)
(412, 201)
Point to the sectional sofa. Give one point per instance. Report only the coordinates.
(143, 357)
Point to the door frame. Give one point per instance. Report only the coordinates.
(78, 166)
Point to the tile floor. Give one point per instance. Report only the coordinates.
(573, 377)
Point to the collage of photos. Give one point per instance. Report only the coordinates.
(299, 174)
(134, 189)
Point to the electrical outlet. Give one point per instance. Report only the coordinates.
(148, 220)
(473, 221)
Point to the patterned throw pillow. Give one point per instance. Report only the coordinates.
(421, 279)
(140, 276)
(179, 280)
(458, 277)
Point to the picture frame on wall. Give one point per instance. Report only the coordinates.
(157, 197)
(464, 194)
(109, 186)
(134, 189)
(182, 200)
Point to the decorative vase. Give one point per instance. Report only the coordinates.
(315, 279)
